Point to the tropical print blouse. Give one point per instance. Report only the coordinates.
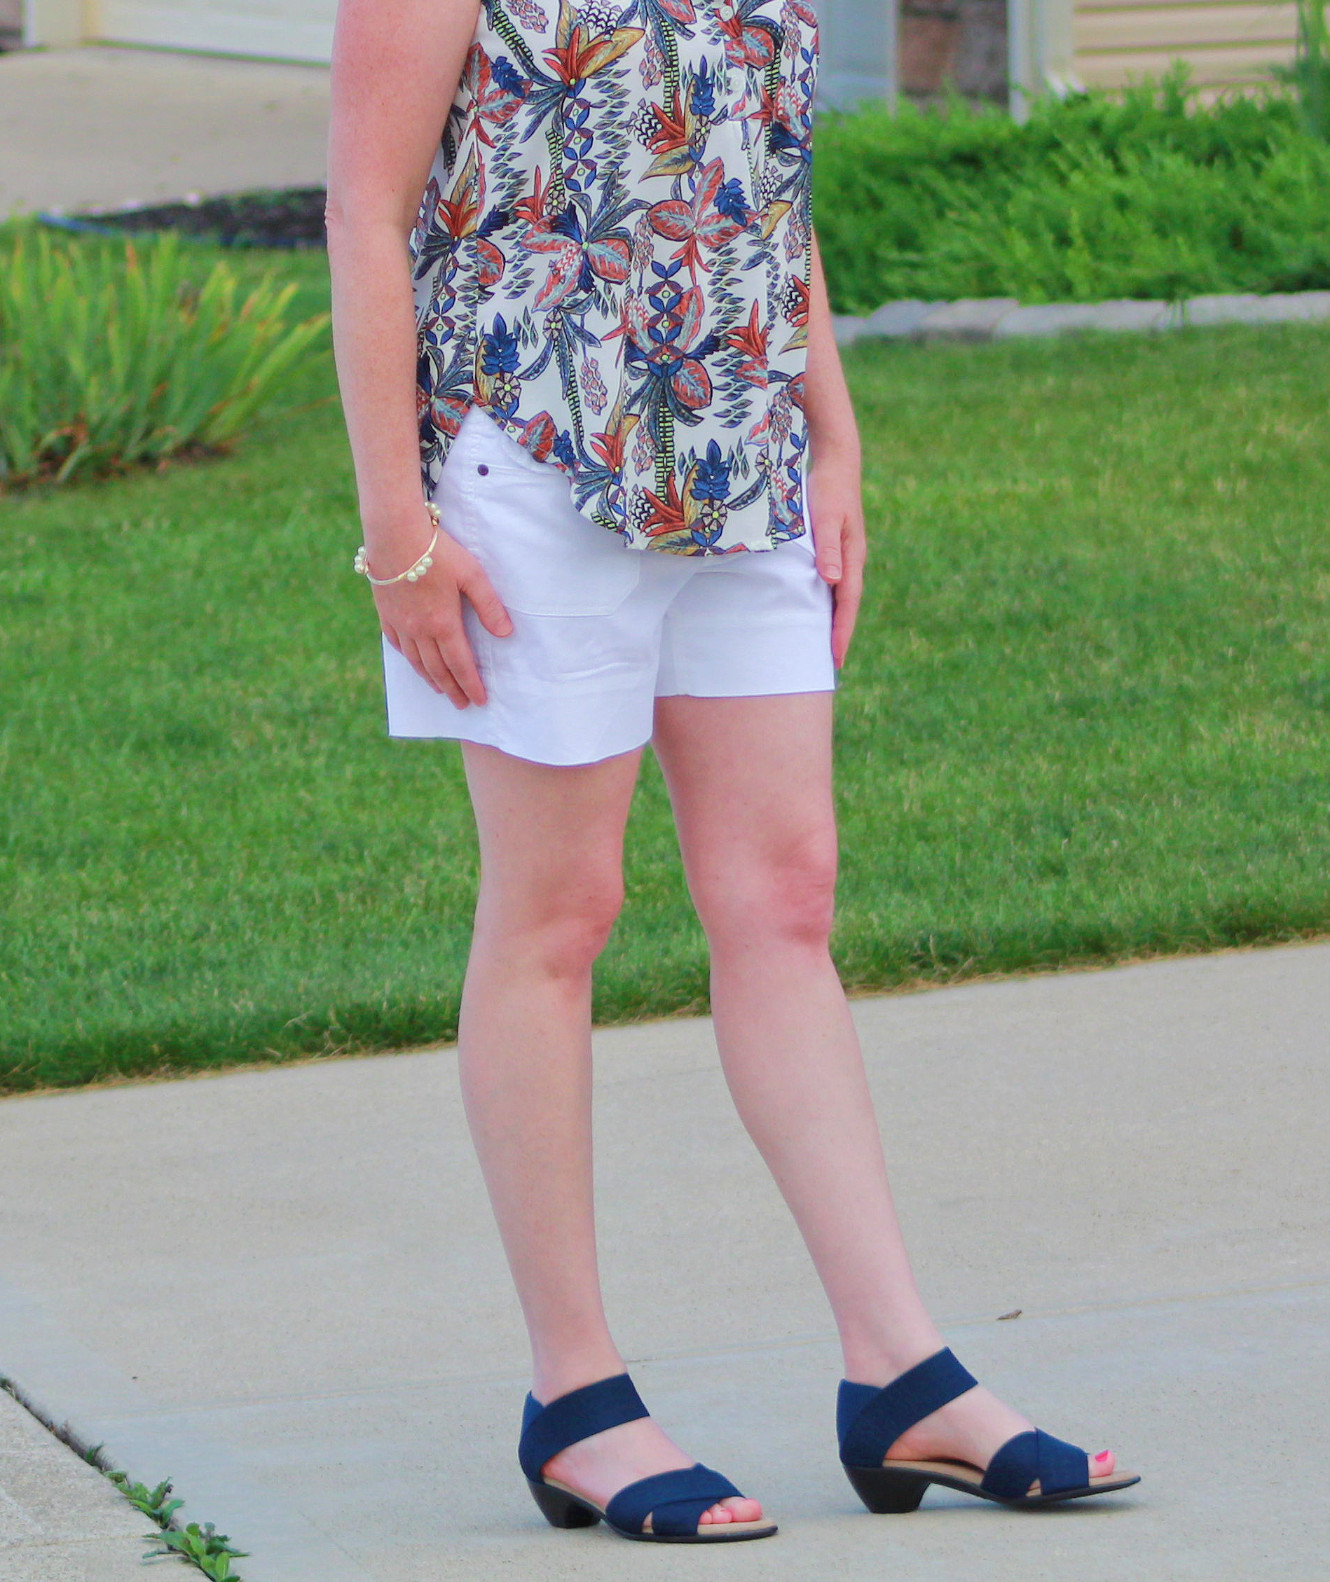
(613, 258)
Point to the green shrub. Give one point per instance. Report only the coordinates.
(1144, 194)
(116, 354)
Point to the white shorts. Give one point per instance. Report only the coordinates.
(601, 630)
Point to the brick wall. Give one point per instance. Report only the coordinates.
(960, 41)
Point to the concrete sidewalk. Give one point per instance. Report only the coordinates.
(283, 1289)
(60, 1519)
(102, 127)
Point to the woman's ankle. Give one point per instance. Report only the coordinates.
(877, 1358)
(558, 1373)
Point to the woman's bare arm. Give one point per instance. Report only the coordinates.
(833, 475)
(395, 70)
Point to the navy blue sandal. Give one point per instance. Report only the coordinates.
(673, 1500)
(870, 1420)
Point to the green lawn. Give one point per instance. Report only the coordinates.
(1087, 714)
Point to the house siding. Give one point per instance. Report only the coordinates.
(280, 29)
(1225, 45)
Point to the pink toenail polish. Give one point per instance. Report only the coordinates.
(1102, 1456)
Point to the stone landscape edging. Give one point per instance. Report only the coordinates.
(1002, 318)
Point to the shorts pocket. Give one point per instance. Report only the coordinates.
(542, 554)
(499, 450)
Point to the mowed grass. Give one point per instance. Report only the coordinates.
(1086, 716)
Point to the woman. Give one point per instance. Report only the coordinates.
(603, 343)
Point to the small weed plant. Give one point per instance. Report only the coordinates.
(119, 354)
(199, 1543)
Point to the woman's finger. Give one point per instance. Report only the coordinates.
(856, 545)
(476, 585)
(825, 523)
(461, 662)
(436, 658)
(425, 659)
(411, 653)
(848, 594)
(827, 550)
(843, 621)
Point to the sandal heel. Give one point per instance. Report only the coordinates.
(560, 1509)
(886, 1492)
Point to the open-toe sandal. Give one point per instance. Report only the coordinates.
(1032, 1468)
(674, 1501)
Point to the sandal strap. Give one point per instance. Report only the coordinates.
(546, 1430)
(674, 1501)
(1035, 1454)
(870, 1420)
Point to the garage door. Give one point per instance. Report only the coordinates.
(283, 29)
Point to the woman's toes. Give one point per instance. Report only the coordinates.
(733, 1510)
(1101, 1466)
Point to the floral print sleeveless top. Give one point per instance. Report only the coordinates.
(613, 258)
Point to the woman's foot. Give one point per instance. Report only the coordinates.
(971, 1428)
(598, 1467)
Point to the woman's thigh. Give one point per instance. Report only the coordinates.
(750, 781)
(549, 831)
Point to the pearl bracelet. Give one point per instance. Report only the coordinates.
(412, 573)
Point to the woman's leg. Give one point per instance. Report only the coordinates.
(551, 844)
(750, 780)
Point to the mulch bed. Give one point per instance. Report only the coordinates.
(283, 217)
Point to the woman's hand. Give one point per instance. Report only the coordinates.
(832, 471)
(423, 619)
(834, 501)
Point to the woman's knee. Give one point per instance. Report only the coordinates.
(561, 922)
(782, 893)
